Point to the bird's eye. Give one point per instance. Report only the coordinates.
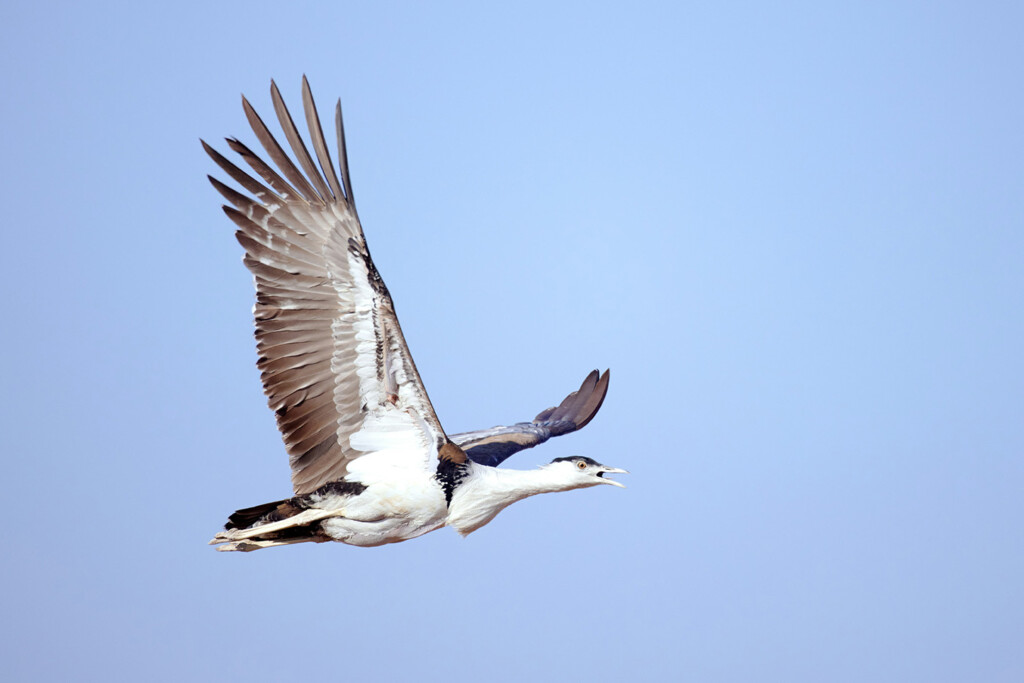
(581, 464)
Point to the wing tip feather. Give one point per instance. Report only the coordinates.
(591, 406)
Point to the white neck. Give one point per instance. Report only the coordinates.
(489, 490)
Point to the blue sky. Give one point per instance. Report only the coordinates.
(794, 233)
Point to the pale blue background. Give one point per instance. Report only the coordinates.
(795, 232)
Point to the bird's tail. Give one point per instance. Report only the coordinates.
(282, 522)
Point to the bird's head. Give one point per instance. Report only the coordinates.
(584, 472)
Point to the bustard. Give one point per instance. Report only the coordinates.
(370, 461)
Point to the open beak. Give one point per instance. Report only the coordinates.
(611, 470)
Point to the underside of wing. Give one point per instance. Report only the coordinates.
(492, 446)
(335, 366)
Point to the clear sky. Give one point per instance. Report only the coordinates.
(795, 233)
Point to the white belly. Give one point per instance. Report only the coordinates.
(389, 512)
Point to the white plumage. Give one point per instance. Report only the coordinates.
(371, 463)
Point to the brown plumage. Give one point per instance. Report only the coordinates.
(494, 445)
(323, 315)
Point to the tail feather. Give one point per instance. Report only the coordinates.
(292, 520)
(274, 512)
(280, 523)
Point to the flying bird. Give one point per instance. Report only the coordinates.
(370, 461)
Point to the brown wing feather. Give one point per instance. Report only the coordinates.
(492, 446)
(298, 147)
(331, 351)
(316, 131)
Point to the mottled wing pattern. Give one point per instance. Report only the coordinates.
(492, 446)
(335, 367)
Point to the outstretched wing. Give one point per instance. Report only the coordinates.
(492, 446)
(335, 367)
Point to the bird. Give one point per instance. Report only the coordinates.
(370, 462)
